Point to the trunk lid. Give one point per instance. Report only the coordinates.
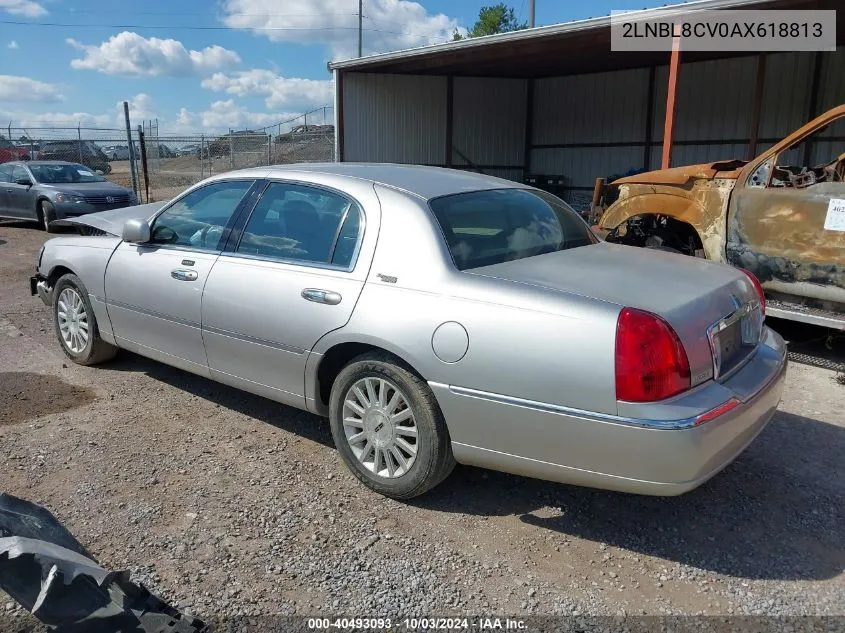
(691, 294)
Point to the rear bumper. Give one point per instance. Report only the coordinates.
(638, 456)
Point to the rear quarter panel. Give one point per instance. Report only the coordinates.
(523, 342)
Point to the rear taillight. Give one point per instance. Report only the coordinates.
(758, 287)
(651, 363)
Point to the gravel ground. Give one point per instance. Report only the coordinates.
(228, 504)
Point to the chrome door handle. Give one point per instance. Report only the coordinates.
(321, 296)
(184, 275)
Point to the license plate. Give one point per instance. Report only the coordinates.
(733, 338)
(727, 346)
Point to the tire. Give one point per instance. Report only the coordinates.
(69, 294)
(46, 214)
(432, 461)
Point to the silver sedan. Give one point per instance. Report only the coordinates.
(434, 316)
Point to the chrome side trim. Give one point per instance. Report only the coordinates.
(562, 410)
(157, 315)
(252, 339)
(659, 425)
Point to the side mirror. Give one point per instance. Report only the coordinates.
(136, 231)
(23, 180)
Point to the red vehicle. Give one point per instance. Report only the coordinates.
(9, 151)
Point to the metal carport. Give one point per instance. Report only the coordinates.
(556, 101)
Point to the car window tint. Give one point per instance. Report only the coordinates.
(5, 173)
(301, 223)
(483, 228)
(200, 218)
(347, 239)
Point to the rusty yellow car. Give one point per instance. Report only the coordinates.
(780, 215)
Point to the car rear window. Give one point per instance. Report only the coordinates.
(483, 228)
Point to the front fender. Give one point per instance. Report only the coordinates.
(630, 205)
(87, 258)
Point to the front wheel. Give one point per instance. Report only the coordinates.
(388, 427)
(76, 325)
(46, 215)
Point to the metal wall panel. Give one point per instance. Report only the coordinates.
(580, 166)
(507, 174)
(714, 100)
(832, 89)
(786, 93)
(488, 121)
(394, 118)
(596, 108)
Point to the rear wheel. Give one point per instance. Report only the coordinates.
(76, 325)
(388, 427)
(46, 214)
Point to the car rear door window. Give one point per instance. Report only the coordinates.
(199, 219)
(5, 173)
(489, 227)
(303, 223)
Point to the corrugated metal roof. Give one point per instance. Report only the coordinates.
(532, 34)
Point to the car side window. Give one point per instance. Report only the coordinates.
(5, 173)
(19, 172)
(818, 158)
(199, 219)
(303, 223)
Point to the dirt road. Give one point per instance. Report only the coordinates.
(230, 504)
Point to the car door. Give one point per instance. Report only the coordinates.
(20, 199)
(786, 217)
(293, 276)
(154, 290)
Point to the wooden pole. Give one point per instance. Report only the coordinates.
(144, 162)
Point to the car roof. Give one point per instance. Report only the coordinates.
(424, 182)
(46, 162)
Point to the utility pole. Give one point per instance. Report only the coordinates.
(360, 18)
(531, 14)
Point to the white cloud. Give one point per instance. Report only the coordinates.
(21, 89)
(225, 114)
(13, 45)
(25, 119)
(389, 24)
(279, 92)
(26, 8)
(141, 108)
(133, 55)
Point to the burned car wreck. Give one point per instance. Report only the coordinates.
(780, 215)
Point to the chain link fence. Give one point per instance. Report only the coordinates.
(164, 163)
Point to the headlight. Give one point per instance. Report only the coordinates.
(67, 197)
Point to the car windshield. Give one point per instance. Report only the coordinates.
(483, 228)
(58, 174)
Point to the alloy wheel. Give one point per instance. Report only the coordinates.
(380, 427)
(73, 320)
